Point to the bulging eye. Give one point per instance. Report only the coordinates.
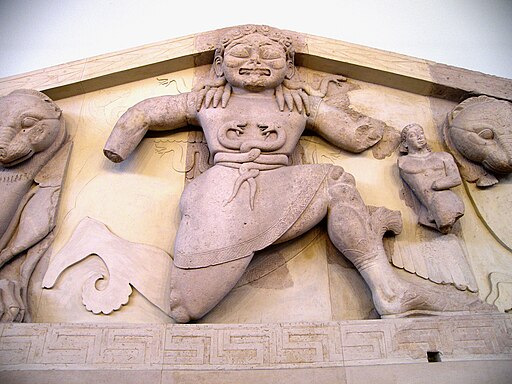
(28, 122)
(239, 51)
(270, 53)
(486, 134)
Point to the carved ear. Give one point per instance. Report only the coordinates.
(291, 70)
(217, 66)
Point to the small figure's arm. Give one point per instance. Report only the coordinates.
(157, 113)
(452, 178)
(350, 131)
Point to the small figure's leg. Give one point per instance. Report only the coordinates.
(194, 292)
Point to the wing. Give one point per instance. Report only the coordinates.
(438, 258)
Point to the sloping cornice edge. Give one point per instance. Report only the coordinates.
(354, 61)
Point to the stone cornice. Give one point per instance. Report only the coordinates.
(318, 53)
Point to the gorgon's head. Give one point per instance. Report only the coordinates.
(254, 58)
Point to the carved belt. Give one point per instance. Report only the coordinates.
(249, 165)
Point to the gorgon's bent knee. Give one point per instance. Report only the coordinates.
(178, 311)
(194, 292)
(348, 220)
(342, 189)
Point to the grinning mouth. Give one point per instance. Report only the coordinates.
(250, 71)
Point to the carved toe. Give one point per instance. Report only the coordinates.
(417, 301)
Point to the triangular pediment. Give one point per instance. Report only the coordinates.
(355, 61)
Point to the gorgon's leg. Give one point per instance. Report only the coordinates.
(357, 230)
(194, 292)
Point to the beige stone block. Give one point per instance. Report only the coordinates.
(298, 287)
(137, 201)
(474, 372)
(489, 205)
(22, 345)
(130, 376)
(350, 296)
(263, 376)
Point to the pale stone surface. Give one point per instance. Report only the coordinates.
(299, 288)
(478, 132)
(400, 107)
(484, 234)
(491, 372)
(150, 187)
(306, 280)
(127, 264)
(328, 350)
(253, 109)
(441, 259)
(377, 181)
(199, 264)
(34, 153)
(430, 176)
(490, 205)
(501, 291)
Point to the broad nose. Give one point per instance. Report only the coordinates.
(255, 55)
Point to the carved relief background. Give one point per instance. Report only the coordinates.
(305, 280)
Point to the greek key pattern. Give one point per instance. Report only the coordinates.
(245, 346)
(51, 345)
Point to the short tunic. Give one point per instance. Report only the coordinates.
(220, 224)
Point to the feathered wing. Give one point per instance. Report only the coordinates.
(440, 259)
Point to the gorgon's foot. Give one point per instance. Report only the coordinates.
(414, 300)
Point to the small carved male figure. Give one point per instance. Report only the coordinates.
(253, 114)
(430, 175)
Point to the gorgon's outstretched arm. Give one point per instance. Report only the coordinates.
(157, 113)
(346, 129)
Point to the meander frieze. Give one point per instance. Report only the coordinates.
(269, 346)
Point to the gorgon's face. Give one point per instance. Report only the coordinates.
(255, 63)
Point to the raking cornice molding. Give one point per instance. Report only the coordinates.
(355, 61)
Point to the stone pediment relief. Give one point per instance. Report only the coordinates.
(271, 283)
(138, 199)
